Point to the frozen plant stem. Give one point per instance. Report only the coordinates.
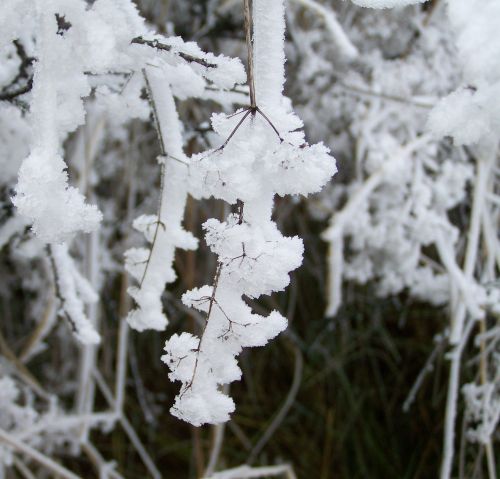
(72, 291)
(43, 460)
(335, 232)
(88, 356)
(342, 42)
(43, 195)
(167, 231)
(249, 42)
(483, 374)
(268, 156)
(486, 159)
(246, 472)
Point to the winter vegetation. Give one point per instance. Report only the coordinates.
(185, 181)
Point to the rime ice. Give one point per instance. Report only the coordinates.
(263, 152)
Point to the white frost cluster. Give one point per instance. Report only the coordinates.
(394, 223)
(470, 114)
(72, 42)
(388, 219)
(262, 153)
(43, 196)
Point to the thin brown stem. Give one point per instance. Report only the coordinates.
(247, 111)
(155, 112)
(158, 224)
(235, 130)
(483, 374)
(162, 175)
(39, 330)
(270, 123)
(212, 301)
(249, 41)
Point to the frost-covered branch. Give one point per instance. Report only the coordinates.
(342, 41)
(32, 453)
(246, 472)
(263, 154)
(43, 194)
(72, 290)
(154, 268)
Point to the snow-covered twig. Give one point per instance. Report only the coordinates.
(263, 154)
(43, 196)
(72, 290)
(344, 45)
(335, 232)
(154, 268)
(246, 472)
(36, 456)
